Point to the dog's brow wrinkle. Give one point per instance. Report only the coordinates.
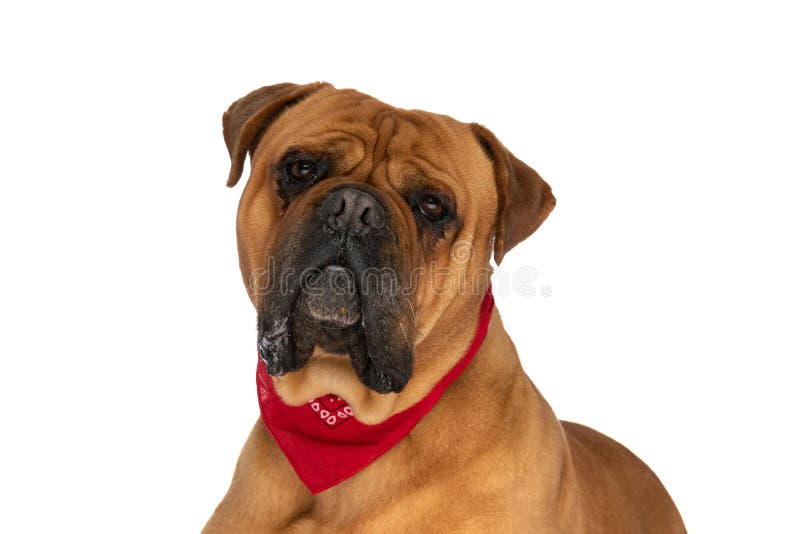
(385, 130)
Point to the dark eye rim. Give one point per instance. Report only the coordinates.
(448, 209)
(429, 199)
(289, 186)
(289, 169)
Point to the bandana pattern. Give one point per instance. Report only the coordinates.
(332, 410)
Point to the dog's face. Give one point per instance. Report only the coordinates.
(364, 229)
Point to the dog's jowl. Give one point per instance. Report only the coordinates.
(391, 397)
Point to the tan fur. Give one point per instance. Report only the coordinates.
(491, 456)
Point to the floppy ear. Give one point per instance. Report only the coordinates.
(524, 199)
(249, 117)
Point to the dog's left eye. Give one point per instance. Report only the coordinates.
(432, 207)
(302, 170)
(432, 210)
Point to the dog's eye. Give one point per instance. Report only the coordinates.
(302, 170)
(432, 207)
(298, 171)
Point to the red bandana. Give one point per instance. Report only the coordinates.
(322, 440)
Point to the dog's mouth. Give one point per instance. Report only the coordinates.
(334, 310)
(329, 297)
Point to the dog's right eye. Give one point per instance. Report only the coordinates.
(298, 171)
(302, 170)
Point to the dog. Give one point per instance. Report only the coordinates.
(392, 398)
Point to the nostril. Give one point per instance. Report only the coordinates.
(338, 209)
(373, 216)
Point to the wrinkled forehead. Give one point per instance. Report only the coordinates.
(360, 131)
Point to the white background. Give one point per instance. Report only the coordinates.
(670, 136)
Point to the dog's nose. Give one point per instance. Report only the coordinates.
(352, 210)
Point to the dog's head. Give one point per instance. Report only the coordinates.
(364, 229)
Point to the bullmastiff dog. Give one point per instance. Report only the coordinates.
(392, 399)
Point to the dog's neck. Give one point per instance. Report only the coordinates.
(488, 393)
(470, 420)
(437, 353)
